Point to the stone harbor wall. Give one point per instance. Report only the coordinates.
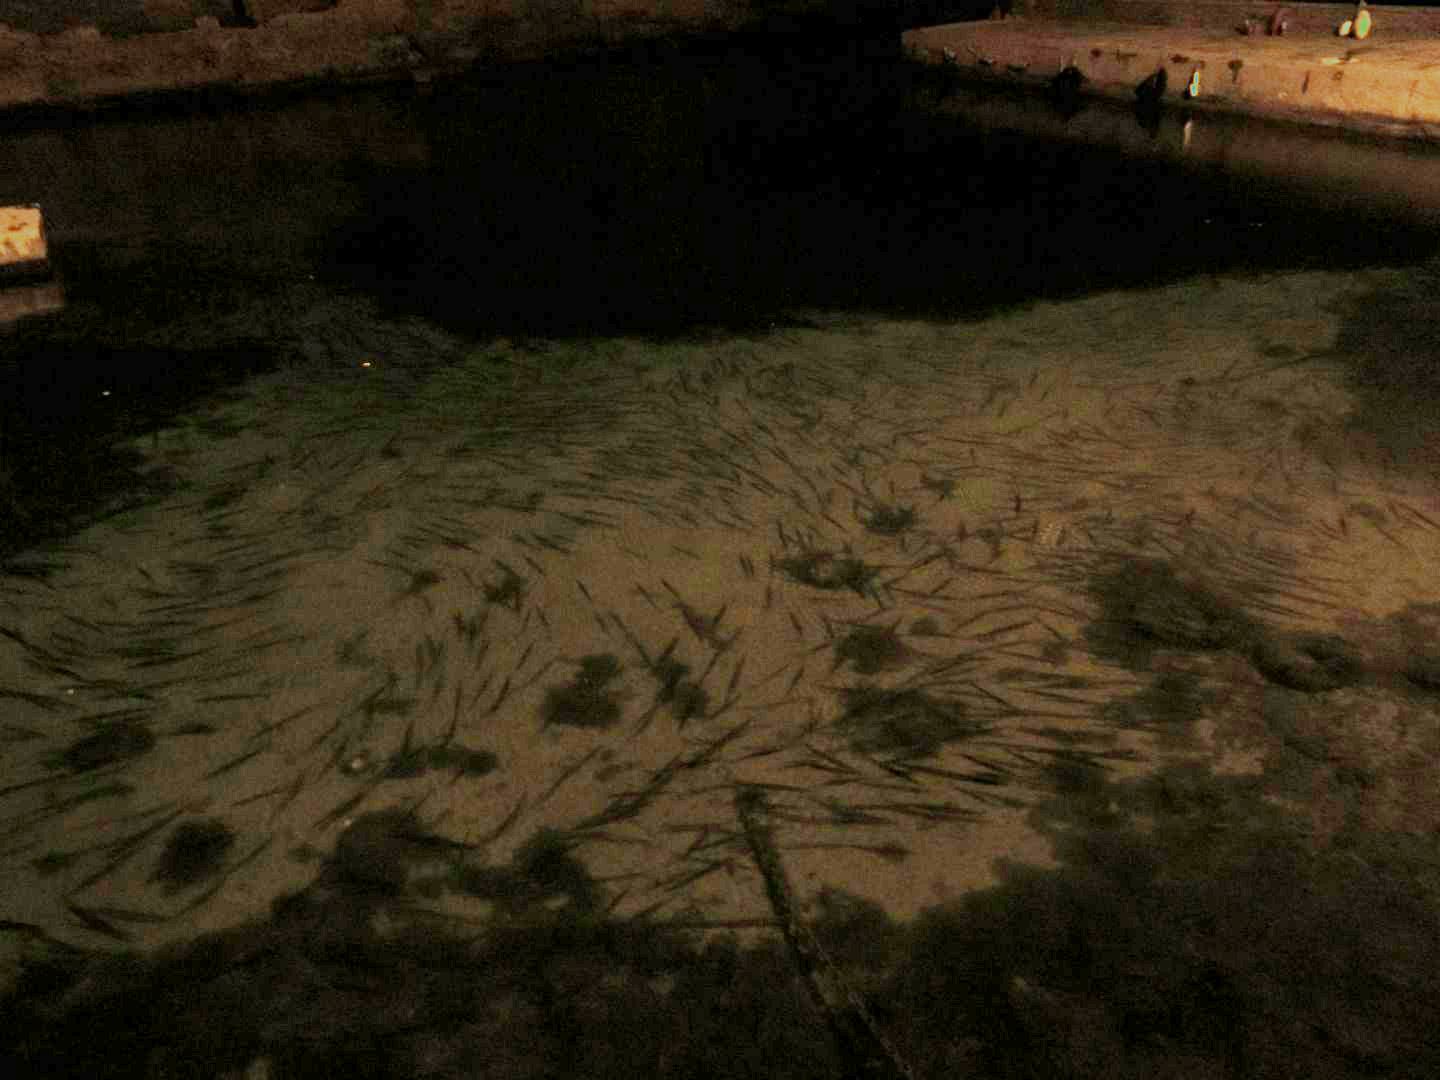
(81, 52)
(1214, 56)
(1408, 18)
(127, 17)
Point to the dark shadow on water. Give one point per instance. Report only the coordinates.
(1189, 930)
(77, 387)
(723, 187)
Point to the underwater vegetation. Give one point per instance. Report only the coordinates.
(905, 723)
(381, 850)
(828, 570)
(195, 851)
(1146, 604)
(419, 760)
(887, 520)
(925, 626)
(871, 649)
(1309, 662)
(110, 743)
(391, 853)
(508, 591)
(686, 698)
(586, 701)
(1175, 699)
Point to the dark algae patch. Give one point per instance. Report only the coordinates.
(586, 701)
(547, 863)
(1174, 700)
(872, 649)
(379, 851)
(507, 591)
(405, 764)
(888, 520)
(1146, 604)
(903, 723)
(110, 744)
(195, 851)
(421, 580)
(1308, 662)
(828, 570)
(685, 698)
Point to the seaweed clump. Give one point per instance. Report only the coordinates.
(1145, 604)
(195, 851)
(871, 649)
(416, 761)
(542, 869)
(906, 723)
(1173, 702)
(109, 744)
(586, 701)
(686, 698)
(375, 851)
(1310, 663)
(827, 570)
(891, 520)
(509, 592)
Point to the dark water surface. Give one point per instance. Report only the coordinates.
(463, 546)
(670, 191)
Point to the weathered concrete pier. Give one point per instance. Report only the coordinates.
(1216, 56)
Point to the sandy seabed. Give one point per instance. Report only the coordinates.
(590, 590)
